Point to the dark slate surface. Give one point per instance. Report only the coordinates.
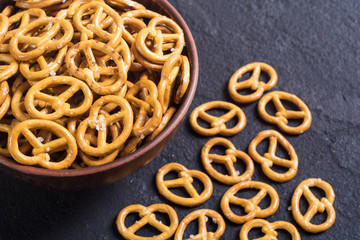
(314, 47)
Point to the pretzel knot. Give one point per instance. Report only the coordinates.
(147, 215)
(60, 103)
(282, 115)
(41, 151)
(251, 206)
(202, 215)
(218, 124)
(252, 83)
(185, 180)
(229, 159)
(269, 158)
(315, 205)
(100, 122)
(94, 74)
(160, 32)
(55, 34)
(269, 229)
(8, 66)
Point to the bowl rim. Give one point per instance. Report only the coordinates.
(7, 164)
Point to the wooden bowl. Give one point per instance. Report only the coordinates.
(92, 177)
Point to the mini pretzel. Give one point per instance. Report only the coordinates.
(217, 123)
(150, 106)
(251, 206)
(4, 25)
(164, 121)
(147, 215)
(229, 159)
(99, 121)
(269, 158)
(113, 38)
(5, 129)
(169, 73)
(315, 205)
(185, 180)
(58, 103)
(282, 115)
(252, 83)
(39, 44)
(36, 4)
(4, 107)
(269, 229)
(41, 152)
(8, 67)
(4, 91)
(92, 73)
(202, 215)
(125, 5)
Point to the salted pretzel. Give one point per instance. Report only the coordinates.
(5, 128)
(149, 107)
(17, 21)
(43, 66)
(35, 4)
(169, 74)
(315, 205)
(252, 83)
(125, 5)
(58, 103)
(185, 180)
(251, 206)
(217, 124)
(148, 216)
(269, 229)
(38, 44)
(229, 159)
(269, 158)
(92, 73)
(41, 152)
(8, 66)
(4, 107)
(202, 215)
(4, 25)
(94, 28)
(131, 145)
(282, 115)
(99, 121)
(124, 51)
(164, 121)
(4, 91)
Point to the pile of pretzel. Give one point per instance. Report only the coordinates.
(83, 82)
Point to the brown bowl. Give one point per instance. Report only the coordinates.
(92, 177)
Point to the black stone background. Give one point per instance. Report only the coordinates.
(314, 47)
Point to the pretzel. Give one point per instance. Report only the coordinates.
(125, 5)
(41, 152)
(39, 44)
(269, 229)
(58, 103)
(4, 91)
(315, 205)
(202, 215)
(8, 67)
(8, 10)
(5, 128)
(251, 206)
(4, 107)
(92, 73)
(229, 159)
(169, 73)
(150, 106)
(131, 146)
(99, 121)
(17, 21)
(252, 83)
(282, 115)
(17, 102)
(35, 4)
(148, 216)
(124, 50)
(4, 25)
(164, 121)
(42, 67)
(93, 28)
(269, 158)
(185, 180)
(217, 123)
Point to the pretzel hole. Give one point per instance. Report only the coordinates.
(163, 218)
(211, 224)
(148, 231)
(256, 233)
(265, 202)
(318, 192)
(238, 209)
(171, 175)
(202, 123)
(3, 139)
(247, 193)
(192, 229)
(319, 218)
(131, 218)
(283, 234)
(270, 108)
(221, 168)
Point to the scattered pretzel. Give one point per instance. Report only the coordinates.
(9, 69)
(185, 180)
(202, 215)
(4, 91)
(269, 159)
(252, 83)
(282, 115)
(217, 123)
(148, 216)
(269, 229)
(315, 205)
(251, 206)
(229, 159)
(5, 128)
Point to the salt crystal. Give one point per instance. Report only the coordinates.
(289, 208)
(210, 160)
(52, 73)
(192, 236)
(63, 1)
(142, 136)
(40, 139)
(50, 24)
(206, 218)
(49, 64)
(59, 46)
(214, 220)
(238, 172)
(172, 49)
(47, 149)
(47, 159)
